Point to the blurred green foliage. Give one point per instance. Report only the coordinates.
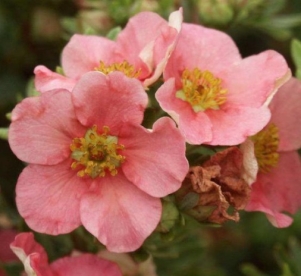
(34, 32)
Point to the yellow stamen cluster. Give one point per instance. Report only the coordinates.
(202, 90)
(124, 67)
(266, 145)
(95, 154)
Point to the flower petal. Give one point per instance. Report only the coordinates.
(43, 127)
(109, 100)
(83, 265)
(46, 80)
(252, 81)
(208, 50)
(279, 190)
(165, 44)
(250, 164)
(137, 39)
(233, 126)
(120, 215)
(286, 115)
(195, 127)
(31, 254)
(155, 160)
(84, 52)
(48, 198)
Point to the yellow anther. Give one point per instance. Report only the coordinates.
(266, 144)
(202, 90)
(124, 67)
(96, 154)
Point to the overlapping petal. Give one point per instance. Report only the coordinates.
(83, 265)
(43, 127)
(279, 190)
(242, 121)
(252, 81)
(84, 52)
(46, 80)
(155, 160)
(122, 99)
(35, 261)
(48, 197)
(31, 254)
(120, 215)
(286, 115)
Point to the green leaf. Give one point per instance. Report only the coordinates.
(251, 270)
(4, 133)
(113, 33)
(170, 216)
(296, 55)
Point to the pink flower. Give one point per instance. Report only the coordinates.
(92, 163)
(277, 188)
(35, 261)
(141, 51)
(214, 95)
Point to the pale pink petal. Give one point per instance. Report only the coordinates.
(255, 78)
(208, 50)
(85, 265)
(139, 34)
(155, 160)
(31, 254)
(109, 100)
(196, 127)
(279, 190)
(250, 164)
(286, 115)
(119, 214)
(233, 126)
(48, 197)
(46, 80)
(6, 237)
(84, 52)
(43, 127)
(165, 44)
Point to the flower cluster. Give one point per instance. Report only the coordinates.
(93, 161)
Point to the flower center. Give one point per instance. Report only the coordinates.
(124, 67)
(96, 154)
(202, 90)
(266, 145)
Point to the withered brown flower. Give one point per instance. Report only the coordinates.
(215, 191)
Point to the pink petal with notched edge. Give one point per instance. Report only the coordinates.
(196, 127)
(84, 52)
(31, 254)
(43, 127)
(286, 115)
(119, 214)
(48, 197)
(84, 265)
(109, 100)
(208, 50)
(46, 80)
(233, 126)
(155, 160)
(279, 190)
(139, 34)
(254, 79)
